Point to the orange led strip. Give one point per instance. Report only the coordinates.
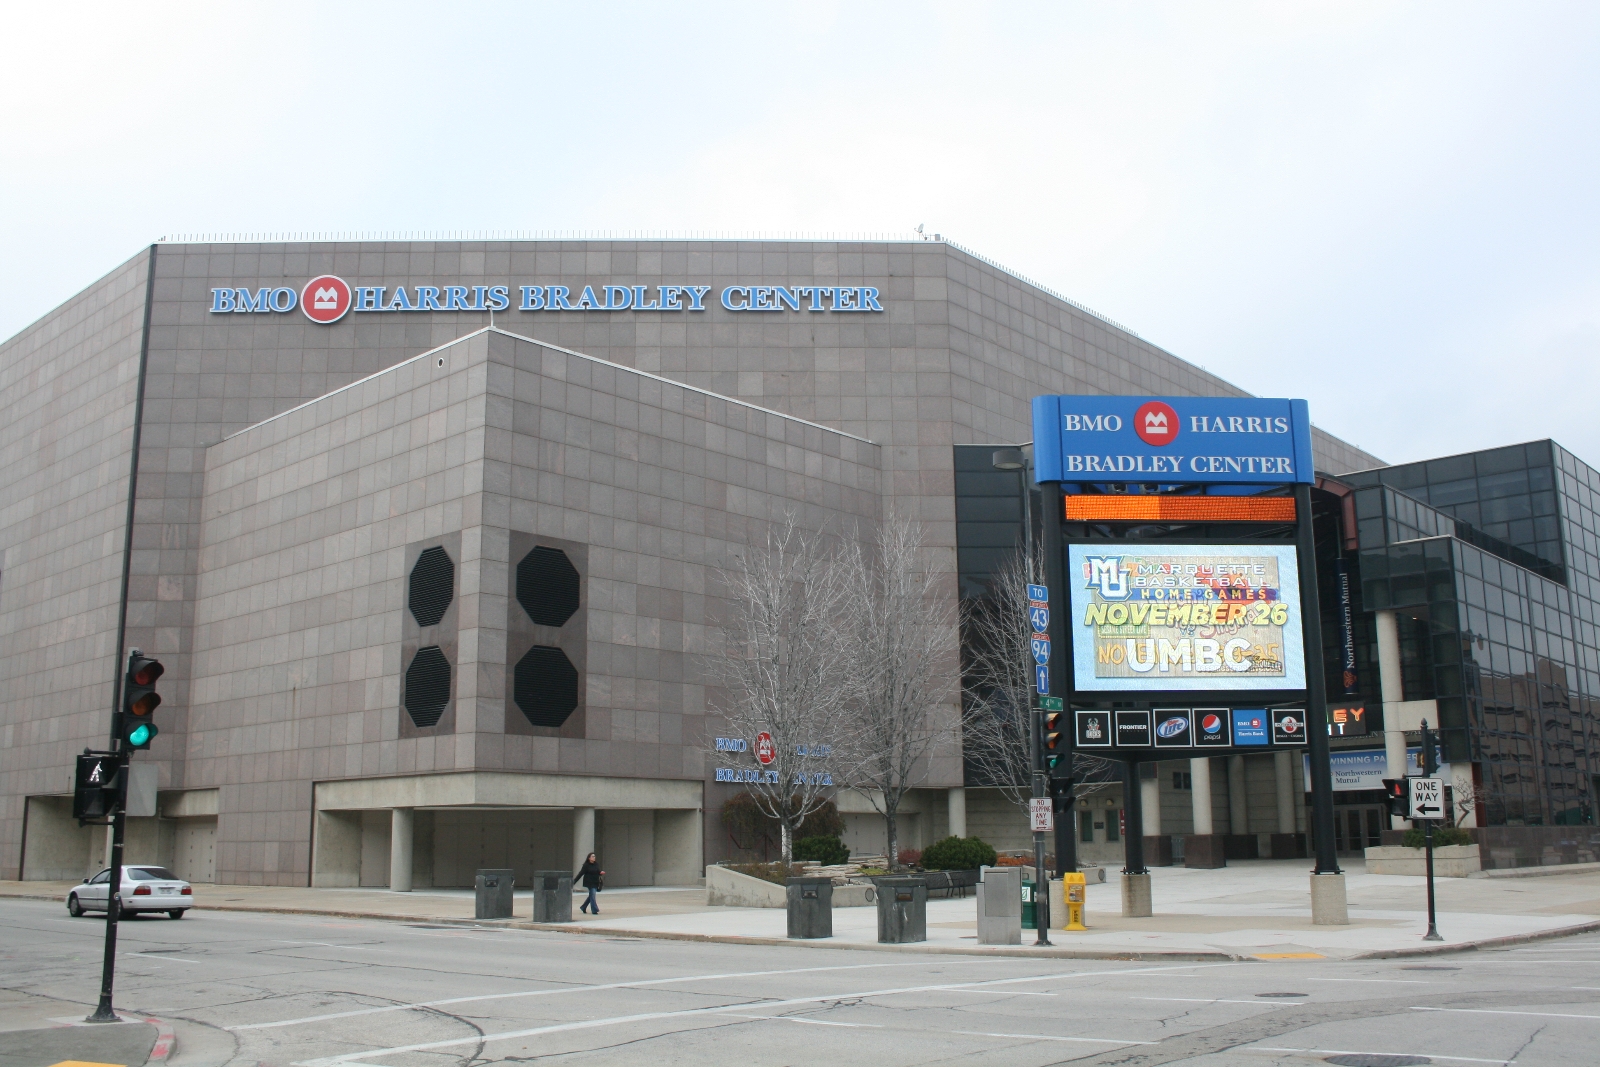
(1180, 509)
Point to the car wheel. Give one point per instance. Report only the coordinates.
(177, 913)
(74, 909)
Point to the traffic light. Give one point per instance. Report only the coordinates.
(140, 700)
(1057, 759)
(1397, 796)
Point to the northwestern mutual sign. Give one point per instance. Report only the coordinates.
(328, 298)
(1175, 439)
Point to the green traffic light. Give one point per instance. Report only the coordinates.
(139, 735)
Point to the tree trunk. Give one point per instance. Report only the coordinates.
(892, 832)
(788, 842)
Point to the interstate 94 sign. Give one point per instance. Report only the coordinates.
(1173, 618)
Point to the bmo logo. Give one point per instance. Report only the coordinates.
(1156, 423)
(325, 299)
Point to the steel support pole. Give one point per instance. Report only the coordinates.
(1133, 832)
(1052, 512)
(1316, 687)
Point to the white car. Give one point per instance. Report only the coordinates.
(142, 889)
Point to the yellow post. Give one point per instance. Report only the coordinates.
(1074, 888)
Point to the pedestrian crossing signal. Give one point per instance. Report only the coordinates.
(94, 790)
(1397, 797)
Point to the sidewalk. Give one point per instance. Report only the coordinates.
(1250, 909)
(36, 1030)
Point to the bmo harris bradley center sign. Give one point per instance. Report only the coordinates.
(328, 298)
(1168, 440)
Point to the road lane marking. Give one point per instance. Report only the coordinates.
(1507, 1011)
(155, 956)
(794, 1019)
(1052, 1037)
(1348, 1052)
(554, 992)
(691, 1013)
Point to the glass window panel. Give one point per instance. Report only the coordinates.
(1505, 484)
(1547, 527)
(995, 483)
(1450, 469)
(988, 534)
(1541, 478)
(1498, 460)
(1522, 532)
(1538, 453)
(1406, 477)
(1457, 492)
(990, 509)
(1370, 533)
(1507, 508)
(1544, 504)
(1369, 503)
(1467, 513)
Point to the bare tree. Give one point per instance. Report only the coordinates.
(904, 641)
(997, 687)
(787, 670)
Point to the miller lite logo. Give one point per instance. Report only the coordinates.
(1156, 423)
(325, 299)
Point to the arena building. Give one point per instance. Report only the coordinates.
(424, 533)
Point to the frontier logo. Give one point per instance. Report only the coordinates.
(325, 299)
(1156, 423)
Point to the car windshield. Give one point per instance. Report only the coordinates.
(151, 874)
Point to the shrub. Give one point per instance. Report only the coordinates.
(824, 848)
(957, 854)
(911, 857)
(1442, 836)
(767, 872)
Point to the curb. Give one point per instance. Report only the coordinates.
(1475, 946)
(1538, 872)
(165, 1040)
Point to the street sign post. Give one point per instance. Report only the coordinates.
(1041, 812)
(1427, 798)
(1427, 805)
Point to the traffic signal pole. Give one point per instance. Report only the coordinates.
(104, 1013)
(1052, 512)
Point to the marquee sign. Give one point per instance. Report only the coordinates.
(1171, 440)
(1167, 618)
(326, 299)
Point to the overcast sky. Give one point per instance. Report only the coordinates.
(1390, 209)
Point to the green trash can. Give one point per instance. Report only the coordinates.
(1028, 922)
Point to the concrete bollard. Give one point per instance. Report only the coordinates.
(1136, 896)
(1328, 905)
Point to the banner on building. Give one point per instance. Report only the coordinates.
(1159, 618)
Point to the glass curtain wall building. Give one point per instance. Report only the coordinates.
(1489, 561)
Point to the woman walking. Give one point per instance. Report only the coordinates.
(593, 879)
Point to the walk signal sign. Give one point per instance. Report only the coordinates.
(94, 790)
(1397, 796)
(140, 700)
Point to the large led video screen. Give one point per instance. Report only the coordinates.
(1203, 618)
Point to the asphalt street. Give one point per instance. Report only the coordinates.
(248, 989)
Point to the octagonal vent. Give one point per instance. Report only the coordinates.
(546, 686)
(427, 687)
(547, 586)
(432, 586)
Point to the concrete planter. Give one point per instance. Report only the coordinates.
(730, 889)
(1451, 861)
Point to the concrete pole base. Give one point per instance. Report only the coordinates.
(1328, 907)
(1136, 896)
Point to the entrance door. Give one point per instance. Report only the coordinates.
(1357, 828)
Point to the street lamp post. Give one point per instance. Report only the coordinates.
(1014, 459)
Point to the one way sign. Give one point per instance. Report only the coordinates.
(1427, 798)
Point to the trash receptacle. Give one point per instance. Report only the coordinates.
(810, 907)
(902, 910)
(494, 894)
(1000, 906)
(552, 896)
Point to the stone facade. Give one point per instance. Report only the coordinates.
(286, 468)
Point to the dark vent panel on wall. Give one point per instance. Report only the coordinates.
(433, 580)
(427, 686)
(547, 587)
(546, 686)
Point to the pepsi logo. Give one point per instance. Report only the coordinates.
(1211, 724)
(1172, 727)
(325, 299)
(1156, 423)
